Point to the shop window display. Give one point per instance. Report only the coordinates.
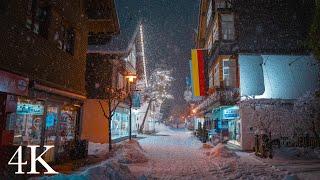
(51, 121)
(26, 122)
(67, 124)
(120, 125)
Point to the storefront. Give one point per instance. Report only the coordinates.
(11, 86)
(226, 118)
(41, 116)
(120, 123)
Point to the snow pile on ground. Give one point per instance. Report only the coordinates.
(108, 170)
(97, 149)
(294, 153)
(206, 146)
(130, 152)
(221, 150)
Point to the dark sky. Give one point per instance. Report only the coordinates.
(168, 29)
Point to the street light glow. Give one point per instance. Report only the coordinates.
(131, 78)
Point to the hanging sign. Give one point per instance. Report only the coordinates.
(13, 84)
(136, 100)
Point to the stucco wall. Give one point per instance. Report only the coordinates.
(94, 125)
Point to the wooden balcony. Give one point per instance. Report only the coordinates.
(102, 19)
(221, 97)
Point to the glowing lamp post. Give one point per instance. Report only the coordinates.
(130, 80)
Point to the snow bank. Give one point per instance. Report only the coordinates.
(130, 152)
(221, 150)
(110, 170)
(206, 146)
(97, 149)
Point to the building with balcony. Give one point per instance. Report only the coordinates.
(43, 63)
(108, 66)
(253, 53)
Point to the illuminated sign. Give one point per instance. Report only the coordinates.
(34, 109)
(230, 113)
(12, 83)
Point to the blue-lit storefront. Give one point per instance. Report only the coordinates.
(120, 123)
(120, 120)
(227, 119)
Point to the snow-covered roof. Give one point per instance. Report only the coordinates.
(277, 76)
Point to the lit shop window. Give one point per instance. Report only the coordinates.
(26, 122)
(119, 125)
(67, 124)
(51, 122)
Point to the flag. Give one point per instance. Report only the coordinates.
(197, 72)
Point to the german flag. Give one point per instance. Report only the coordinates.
(197, 72)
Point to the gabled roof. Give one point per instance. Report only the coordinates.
(122, 43)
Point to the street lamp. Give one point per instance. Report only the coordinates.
(130, 80)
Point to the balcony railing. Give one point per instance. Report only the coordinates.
(220, 97)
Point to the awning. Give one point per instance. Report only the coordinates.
(68, 94)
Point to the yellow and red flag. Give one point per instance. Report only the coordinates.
(197, 72)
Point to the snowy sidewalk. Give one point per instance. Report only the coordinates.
(177, 154)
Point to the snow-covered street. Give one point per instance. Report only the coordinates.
(177, 154)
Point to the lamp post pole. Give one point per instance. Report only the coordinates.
(130, 106)
(130, 80)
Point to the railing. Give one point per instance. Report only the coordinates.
(223, 96)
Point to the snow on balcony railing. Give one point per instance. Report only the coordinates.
(225, 96)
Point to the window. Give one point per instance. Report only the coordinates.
(65, 38)
(227, 25)
(209, 42)
(226, 72)
(26, 122)
(221, 4)
(209, 13)
(215, 32)
(216, 76)
(38, 17)
(120, 81)
(211, 74)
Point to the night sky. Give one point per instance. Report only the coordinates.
(169, 27)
